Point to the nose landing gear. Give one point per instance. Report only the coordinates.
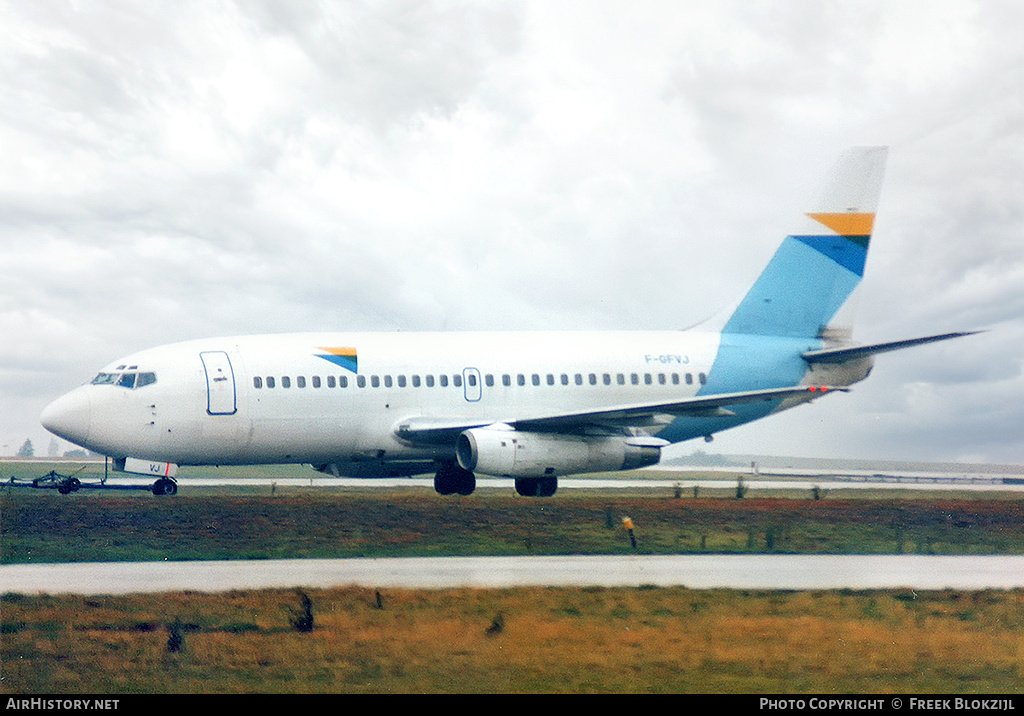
(164, 486)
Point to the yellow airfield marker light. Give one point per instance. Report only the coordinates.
(628, 524)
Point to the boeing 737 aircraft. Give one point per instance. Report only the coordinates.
(529, 406)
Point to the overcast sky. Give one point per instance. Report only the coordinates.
(190, 169)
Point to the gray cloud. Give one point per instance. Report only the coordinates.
(201, 169)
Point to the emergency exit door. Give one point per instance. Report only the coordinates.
(471, 384)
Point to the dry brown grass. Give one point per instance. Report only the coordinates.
(552, 640)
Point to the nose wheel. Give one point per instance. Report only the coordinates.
(164, 486)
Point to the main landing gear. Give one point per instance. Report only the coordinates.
(452, 478)
(536, 486)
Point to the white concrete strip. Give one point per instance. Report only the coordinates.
(800, 572)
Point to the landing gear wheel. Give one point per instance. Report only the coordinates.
(537, 486)
(547, 486)
(451, 478)
(66, 487)
(165, 487)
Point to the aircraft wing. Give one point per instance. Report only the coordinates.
(840, 355)
(640, 415)
(442, 430)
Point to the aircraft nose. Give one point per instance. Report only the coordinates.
(69, 416)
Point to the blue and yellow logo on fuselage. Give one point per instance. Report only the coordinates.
(344, 357)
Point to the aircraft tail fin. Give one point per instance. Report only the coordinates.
(817, 268)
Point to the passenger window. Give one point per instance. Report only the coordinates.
(489, 380)
(442, 380)
(535, 379)
(361, 381)
(286, 382)
(593, 379)
(300, 382)
(415, 381)
(702, 378)
(506, 380)
(634, 379)
(331, 381)
(430, 381)
(387, 381)
(471, 379)
(607, 379)
(401, 381)
(270, 382)
(647, 379)
(316, 381)
(551, 379)
(257, 382)
(343, 381)
(521, 379)
(689, 378)
(375, 381)
(578, 379)
(675, 379)
(457, 380)
(661, 379)
(565, 379)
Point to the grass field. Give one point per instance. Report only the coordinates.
(42, 526)
(639, 640)
(516, 640)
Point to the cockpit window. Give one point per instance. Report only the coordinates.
(125, 380)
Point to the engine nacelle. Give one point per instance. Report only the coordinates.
(505, 452)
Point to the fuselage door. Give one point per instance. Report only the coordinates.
(220, 383)
(471, 384)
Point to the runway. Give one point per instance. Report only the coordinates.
(826, 482)
(968, 478)
(771, 572)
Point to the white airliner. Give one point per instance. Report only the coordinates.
(530, 406)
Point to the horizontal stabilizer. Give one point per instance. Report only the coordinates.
(841, 355)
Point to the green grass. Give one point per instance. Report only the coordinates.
(250, 523)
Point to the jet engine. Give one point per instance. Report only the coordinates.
(502, 451)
